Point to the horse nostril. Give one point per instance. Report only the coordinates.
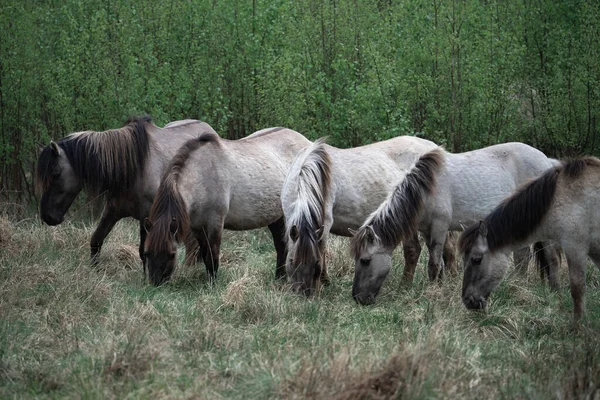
(482, 303)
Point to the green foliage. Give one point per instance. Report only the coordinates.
(464, 74)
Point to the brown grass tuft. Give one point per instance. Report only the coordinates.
(236, 291)
(337, 257)
(583, 381)
(134, 361)
(399, 377)
(120, 256)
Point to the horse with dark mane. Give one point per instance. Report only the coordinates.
(124, 165)
(213, 184)
(442, 192)
(560, 206)
(334, 190)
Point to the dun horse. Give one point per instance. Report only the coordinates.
(560, 206)
(443, 191)
(124, 165)
(212, 184)
(334, 190)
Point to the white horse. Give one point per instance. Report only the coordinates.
(561, 206)
(334, 190)
(443, 191)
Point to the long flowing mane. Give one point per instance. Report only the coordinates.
(109, 161)
(313, 186)
(168, 204)
(520, 214)
(398, 216)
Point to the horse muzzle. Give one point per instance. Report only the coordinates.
(473, 303)
(364, 299)
(52, 220)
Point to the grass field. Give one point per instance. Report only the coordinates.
(70, 330)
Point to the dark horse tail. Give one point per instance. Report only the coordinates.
(398, 217)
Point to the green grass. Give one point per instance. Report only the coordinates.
(70, 330)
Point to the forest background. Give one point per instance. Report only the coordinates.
(465, 74)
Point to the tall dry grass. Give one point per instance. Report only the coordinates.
(71, 330)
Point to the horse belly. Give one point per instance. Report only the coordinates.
(253, 210)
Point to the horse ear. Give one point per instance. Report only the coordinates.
(55, 148)
(147, 224)
(482, 228)
(40, 147)
(173, 227)
(294, 233)
(370, 234)
(352, 232)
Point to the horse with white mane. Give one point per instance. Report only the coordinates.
(213, 184)
(333, 190)
(443, 191)
(124, 165)
(560, 206)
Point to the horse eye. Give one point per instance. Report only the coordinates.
(476, 260)
(56, 175)
(365, 261)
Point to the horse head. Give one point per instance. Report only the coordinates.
(484, 269)
(160, 250)
(372, 264)
(304, 264)
(57, 182)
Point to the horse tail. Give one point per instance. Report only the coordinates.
(313, 186)
(399, 215)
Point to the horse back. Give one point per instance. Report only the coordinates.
(362, 177)
(242, 179)
(475, 182)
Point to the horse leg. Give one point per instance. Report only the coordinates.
(553, 258)
(107, 223)
(141, 248)
(521, 260)
(412, 249)
(210, 245)
(435, 244)
(449, 253)
(192, 252)
(577, 265)
(277, 229)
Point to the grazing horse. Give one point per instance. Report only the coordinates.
(334, 190)
(124, 165)
(212, 184)
(443, 191)
(560, 206)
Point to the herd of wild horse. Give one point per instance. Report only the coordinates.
(185, 185)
